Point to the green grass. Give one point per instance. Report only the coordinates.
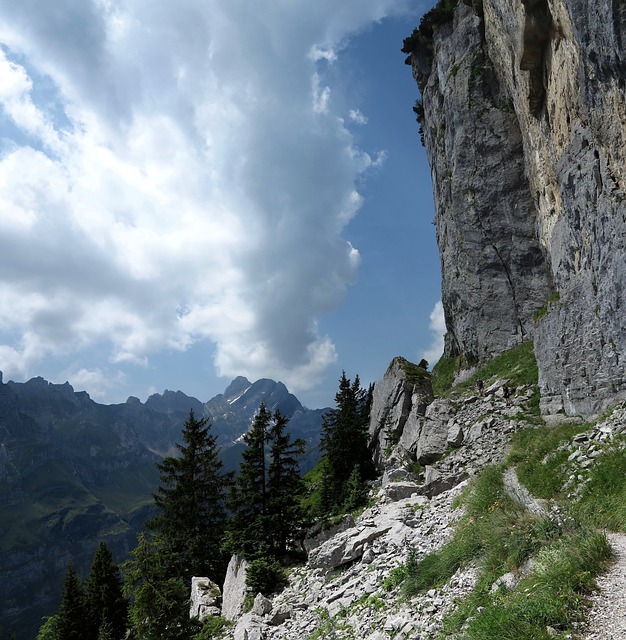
(552, 596)
(414, 373)
(539, 464)
(518, 366)
(497, 535)
(555, 297)
(603, 500)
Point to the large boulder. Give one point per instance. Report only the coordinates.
(234, 592)
(433, 437)
(205, 599)
(345, 547)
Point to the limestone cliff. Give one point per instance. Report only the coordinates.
(524, 123)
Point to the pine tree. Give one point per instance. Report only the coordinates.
(185, 537)
(71, 621)
(265, 497)
(107, 605)
(159, 608)
(345, 442)
(248, 529)
(191, 501)
(285, 486)
(49, 630)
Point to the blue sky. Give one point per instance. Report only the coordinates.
(198, 190)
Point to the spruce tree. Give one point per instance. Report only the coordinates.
(248, 529)
(184, 538)
(107, 605)
(71, 621)
(265, 497)
(159, 608)
(344, 441)
(285, 486)
(191, 500)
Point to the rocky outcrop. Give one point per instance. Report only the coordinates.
(234, 591)
(398, 406)
(206, 599)
(524, 122)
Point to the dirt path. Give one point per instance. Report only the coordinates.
(607, 618)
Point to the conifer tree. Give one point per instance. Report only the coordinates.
(248, 529)
(71, 621)
(159, 608)
(285, 486)
(191, 500)
(265, 497)
(345, 442)
(184, 538)
(107, 605)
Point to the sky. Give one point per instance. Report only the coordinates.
(196, 190)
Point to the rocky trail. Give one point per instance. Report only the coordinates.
(607, 617)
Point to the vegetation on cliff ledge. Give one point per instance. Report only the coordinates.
(441, 13)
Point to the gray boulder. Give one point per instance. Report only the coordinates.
(234, 592)
(205, 599)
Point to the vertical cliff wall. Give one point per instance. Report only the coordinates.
(524, 123)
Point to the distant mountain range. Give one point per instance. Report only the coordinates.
(73, 472)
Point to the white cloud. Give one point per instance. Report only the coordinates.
(438, 330)
(99, 383)
(357, 117)
(161, 157)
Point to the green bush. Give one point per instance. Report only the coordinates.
(212, 628)
(441, 13)
(265, 575)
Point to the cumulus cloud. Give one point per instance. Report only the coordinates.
(438, 330)
(172, 173)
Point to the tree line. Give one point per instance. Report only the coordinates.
(204, 515)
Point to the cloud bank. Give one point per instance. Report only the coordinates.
(172, 173)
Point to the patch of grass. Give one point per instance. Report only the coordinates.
(548, 601)
(495, 532)
(414, 373)
(603, 500)
(555, 297)
(214, 627)
(539, 463)
(476, 72)
(444, 373)
(518, 366)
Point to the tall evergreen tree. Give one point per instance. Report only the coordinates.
(191, 500)
(107, 605)
(248, 529)
(71, 621)
(285, 486)
(344, 441)
(159, 607)
(185, 537)
(265, 497)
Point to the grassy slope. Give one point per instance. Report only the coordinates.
(498, 535)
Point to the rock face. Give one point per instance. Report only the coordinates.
(398, 406)
(524, 122)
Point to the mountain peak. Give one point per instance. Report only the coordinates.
(237, 387)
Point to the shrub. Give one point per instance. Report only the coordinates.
(441, 13)
(265, 575)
